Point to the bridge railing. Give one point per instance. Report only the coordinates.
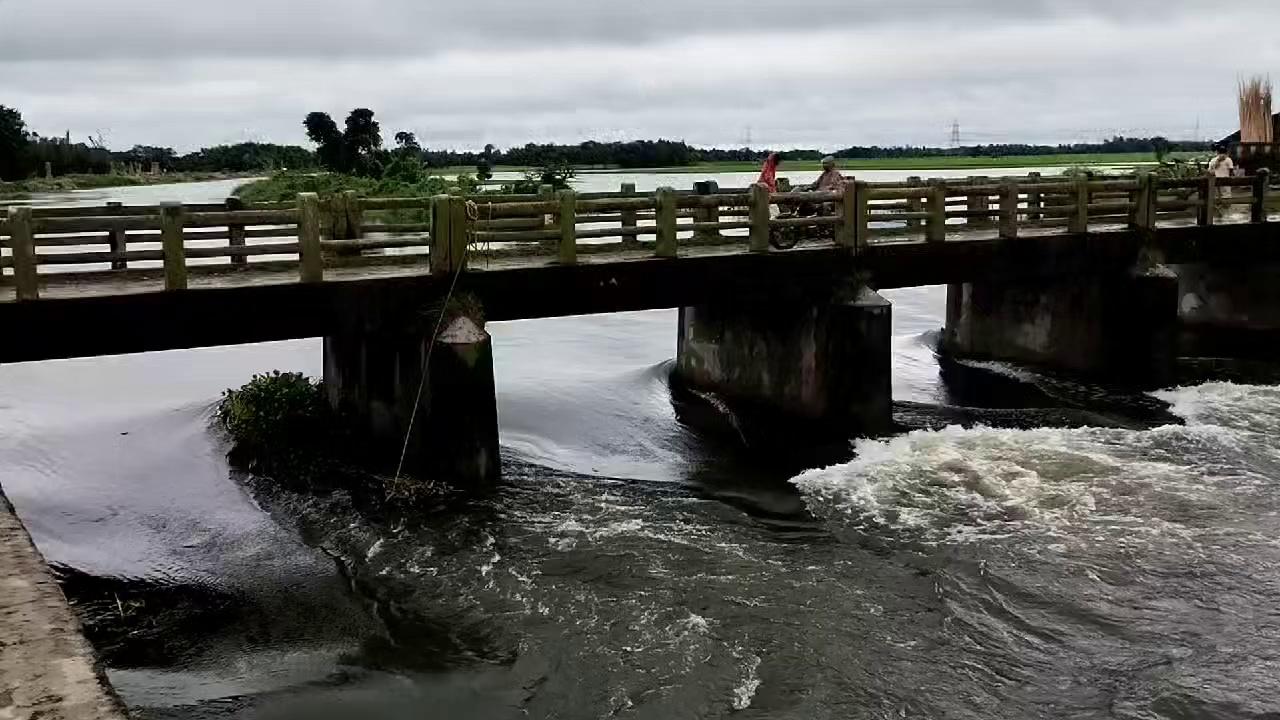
(170, 244)
(935, 210)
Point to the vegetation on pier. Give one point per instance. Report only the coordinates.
(283, 432)
(281, 425)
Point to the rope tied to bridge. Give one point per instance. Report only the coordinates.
(472, 210)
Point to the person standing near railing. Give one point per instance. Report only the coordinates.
(769, 173)
(1222, 166)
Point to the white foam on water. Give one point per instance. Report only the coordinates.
(1249, 408)
(695, 623)
(959, 484)
(745, 691)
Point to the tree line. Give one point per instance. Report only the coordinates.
(357, 148)
(24, 154)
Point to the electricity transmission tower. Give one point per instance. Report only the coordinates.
(955, 134)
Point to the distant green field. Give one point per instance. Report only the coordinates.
(921, 163)
(930, 163)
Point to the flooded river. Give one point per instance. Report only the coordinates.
(1074, 551)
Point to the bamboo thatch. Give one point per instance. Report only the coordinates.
(1256, 125)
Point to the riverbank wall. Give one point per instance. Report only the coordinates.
(47, 667)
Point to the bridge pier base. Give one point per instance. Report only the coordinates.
(1121, 327)
(1231, 312)
(816, 368)
(375, 377)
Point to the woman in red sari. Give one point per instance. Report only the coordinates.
(769, 173)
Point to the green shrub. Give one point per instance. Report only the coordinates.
(284, 433)
(281, 424)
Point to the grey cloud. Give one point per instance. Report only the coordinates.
(1009, 71)
(79, 29)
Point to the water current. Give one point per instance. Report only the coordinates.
(1026, 546)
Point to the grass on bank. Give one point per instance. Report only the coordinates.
(286, 185)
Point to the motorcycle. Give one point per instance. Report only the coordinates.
(785, 238)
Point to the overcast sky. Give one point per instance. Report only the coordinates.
(813, 73)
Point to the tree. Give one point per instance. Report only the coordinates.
(357, 149)
(14, 140)
(1162, 148)
(363, 134)
(408, 142)
(323, 131)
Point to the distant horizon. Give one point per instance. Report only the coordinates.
(755, 147)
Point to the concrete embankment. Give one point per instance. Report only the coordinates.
(47, 668)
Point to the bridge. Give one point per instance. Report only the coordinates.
(1111, 276)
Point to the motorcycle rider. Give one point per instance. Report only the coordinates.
(830, 180)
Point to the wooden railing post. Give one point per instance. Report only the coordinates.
(1034, 200)
(175, 255)
(1144, 215)
(978, 202)
(336, 214)
(235, 231)
(355, 214)
(460, 227)
(1208, 200)
(117, 240)
(706, 213)
(22, 240)
(1133, 199)
(568, 253)
(547, 193)
(914, 204)
(310, 261)
(759, 214)
(438, 261)
(1258, 209)
(629, 218)
(862, 214)
(1079, 220)
(713, 211)
(936, 228)
(1009, 197)
(665, 214)
(847, 230)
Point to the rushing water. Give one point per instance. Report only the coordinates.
(1121, 563)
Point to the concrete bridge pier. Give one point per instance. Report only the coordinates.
(1120, 326)
(1229, 310)
(807, 367)
(375, 377)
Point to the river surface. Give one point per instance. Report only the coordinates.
(1027, 545)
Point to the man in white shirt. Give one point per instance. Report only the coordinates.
(1222, 165)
